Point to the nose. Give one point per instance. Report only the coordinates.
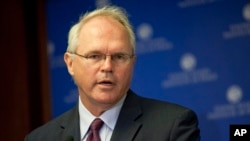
(107, 65)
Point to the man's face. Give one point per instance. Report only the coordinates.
(105, 82)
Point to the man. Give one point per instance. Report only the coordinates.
(100, 58)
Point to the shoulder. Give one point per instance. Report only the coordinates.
(55, 125)
(164, 108)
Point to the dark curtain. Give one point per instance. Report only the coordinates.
(24, 94)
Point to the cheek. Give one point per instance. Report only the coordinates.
(125, 74)
(84, 75)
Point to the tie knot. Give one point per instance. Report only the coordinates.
(96, 124)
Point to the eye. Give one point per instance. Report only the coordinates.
(95, 56)
(119, 56)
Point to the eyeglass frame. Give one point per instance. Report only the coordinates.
(104, 56)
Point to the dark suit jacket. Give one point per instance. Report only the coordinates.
(140, 119)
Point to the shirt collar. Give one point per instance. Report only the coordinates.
(109, 117)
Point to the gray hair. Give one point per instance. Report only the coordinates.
(115, 12)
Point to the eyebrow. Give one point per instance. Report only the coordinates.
(100, 52)
(92, 52)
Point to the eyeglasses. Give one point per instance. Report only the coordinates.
(118, 58)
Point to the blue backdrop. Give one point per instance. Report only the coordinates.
(191, 52)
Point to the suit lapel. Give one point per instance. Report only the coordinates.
(129, 120)
(70, 126)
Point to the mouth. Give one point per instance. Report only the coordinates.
(106, 83)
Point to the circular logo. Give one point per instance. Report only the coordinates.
(144, 31)
(246, 12)
(234, 94)
(188, 62)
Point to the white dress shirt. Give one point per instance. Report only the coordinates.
(109, 118)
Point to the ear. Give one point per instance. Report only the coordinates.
(68, 59)
(134, 60)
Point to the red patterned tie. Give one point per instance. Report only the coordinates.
(94, 130)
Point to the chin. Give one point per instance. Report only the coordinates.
(107, 100)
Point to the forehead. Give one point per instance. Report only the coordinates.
(102, 24)
(103, 32)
